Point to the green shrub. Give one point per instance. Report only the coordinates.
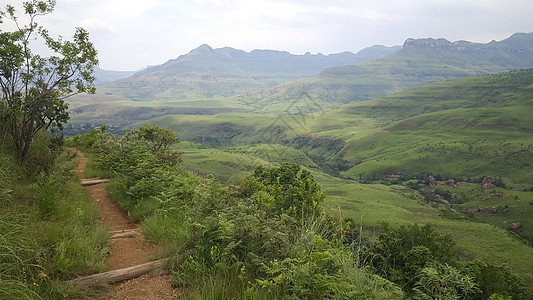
(398, 254)
(441, 281)
(292, 190)
(493, 279)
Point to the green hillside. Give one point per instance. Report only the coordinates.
(470, 127)
(463, 129)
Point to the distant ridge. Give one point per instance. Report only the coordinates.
(419, 62)
(105, 76)
(205, 72)
(519, 43)
(228, 60)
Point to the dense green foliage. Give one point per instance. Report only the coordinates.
(288, 189)
(492, 279)
(269, 237)
(240, 240)
(400, 253)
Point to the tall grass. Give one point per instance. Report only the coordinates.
(49, 228)
(17, 257)
(171, 232)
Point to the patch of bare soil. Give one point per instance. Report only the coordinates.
(126, 251)
(135, 289)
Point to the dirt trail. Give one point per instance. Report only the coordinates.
(126, 252)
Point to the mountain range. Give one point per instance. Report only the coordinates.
(190, 83)
(207, 73)
(419, 62)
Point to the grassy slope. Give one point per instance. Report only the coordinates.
(474, 126)
(470, 127)
(49, 227)
(465, 127)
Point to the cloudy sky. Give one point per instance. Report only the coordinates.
(131, 34)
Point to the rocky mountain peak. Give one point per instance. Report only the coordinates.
(203, 50)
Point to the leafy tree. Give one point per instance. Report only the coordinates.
(34, 88)
(288, 189)
(158, 138)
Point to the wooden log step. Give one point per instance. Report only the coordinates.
(93, 182)
(122, 230)
(121, 274)
(127, 234)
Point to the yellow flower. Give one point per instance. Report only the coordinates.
(42, 275)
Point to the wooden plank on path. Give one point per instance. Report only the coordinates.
(121, 274)
(93, 182)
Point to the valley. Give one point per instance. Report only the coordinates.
(462, 129)
(374, 157)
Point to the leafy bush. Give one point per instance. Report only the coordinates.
(441, 281)
(292, 190)
(399, 254)
(493, 279)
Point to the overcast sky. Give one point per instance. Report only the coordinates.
(131, 34)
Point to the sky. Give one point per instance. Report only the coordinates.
(132, 34)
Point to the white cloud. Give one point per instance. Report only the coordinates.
(132, 33)
(92, 24)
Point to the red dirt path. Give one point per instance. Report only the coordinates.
(126, 252)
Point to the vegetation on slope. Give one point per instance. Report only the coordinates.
(269, 237)
(472, 127)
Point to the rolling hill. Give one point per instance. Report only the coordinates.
(465, 127)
